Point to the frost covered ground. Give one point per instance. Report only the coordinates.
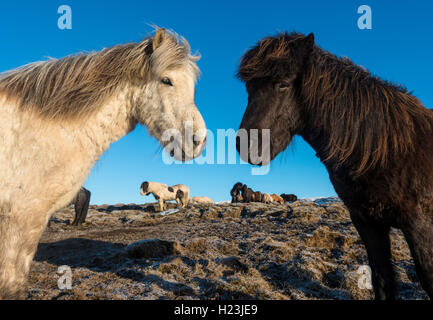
(305, 250)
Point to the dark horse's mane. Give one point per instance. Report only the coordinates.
(369, 120)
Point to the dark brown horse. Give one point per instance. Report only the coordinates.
(81, 204)
(235, 192)
(375, 139)
(289, 197)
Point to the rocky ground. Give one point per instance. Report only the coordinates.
(303, 250)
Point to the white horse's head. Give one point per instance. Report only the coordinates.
(168, 107)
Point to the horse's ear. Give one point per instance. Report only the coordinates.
(309, 41)
(158, 39)
(303, 47)
(304, 44)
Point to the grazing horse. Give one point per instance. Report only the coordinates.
(289, 197)
(247, 194)
(267, 198)
(81, 206)
(202, 200)
(375, 139)
(59, 116)
(258, 196)
(276, 198)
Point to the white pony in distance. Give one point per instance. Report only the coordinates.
(162, 193)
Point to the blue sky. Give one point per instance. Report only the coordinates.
(398, 48)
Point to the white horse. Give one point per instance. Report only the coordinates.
(202, 200)
(162, 193)
(59, 116)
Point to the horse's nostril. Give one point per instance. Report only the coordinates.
(197, 142)
(238, 143)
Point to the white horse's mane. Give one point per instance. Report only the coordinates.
(77, 85)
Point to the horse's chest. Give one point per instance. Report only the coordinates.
(372, 200)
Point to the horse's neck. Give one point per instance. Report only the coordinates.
(317, 140)
(318, 137)
(109, 124)
(314, 130)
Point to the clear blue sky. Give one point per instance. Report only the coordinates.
(398, 48)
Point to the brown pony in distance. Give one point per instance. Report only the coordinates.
(375, 139)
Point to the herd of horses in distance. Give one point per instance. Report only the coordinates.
(240, 193)
(373, 137)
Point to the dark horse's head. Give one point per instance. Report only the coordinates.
(236, 189)
(271, 71)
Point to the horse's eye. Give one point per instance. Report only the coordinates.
(166, 81)
(283, 85)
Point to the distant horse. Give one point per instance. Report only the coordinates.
(59, 116)
(162, 193)
(81, 206)
(289, 197)
(258, 196)
(276, 198)
(202, 200)
(236, 192)
(267, 198)
(248, 195)
(375, 139)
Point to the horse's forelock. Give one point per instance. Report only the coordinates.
(173, 53)
(263, 59)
